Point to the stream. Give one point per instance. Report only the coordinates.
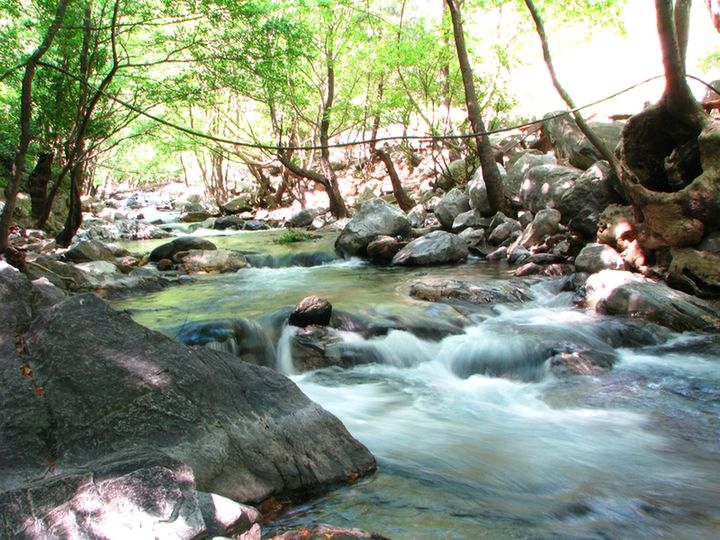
(463, 452)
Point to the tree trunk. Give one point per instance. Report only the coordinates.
(405, 202)
(491, 175)
(74, 218)
(26, 106)
(670, 153)
(605, 152)
(38, 182)
(337, 204)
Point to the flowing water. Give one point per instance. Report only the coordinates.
(474, 435)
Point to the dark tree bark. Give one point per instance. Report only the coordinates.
(405, 202)
(491, 175)
(77, 156)
(38, 182)
(26, 106)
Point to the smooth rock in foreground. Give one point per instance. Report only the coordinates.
(104, 384)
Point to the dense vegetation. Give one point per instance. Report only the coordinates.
(105, 91)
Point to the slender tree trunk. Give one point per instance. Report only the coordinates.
(491, 175)
(596, 141)
(77, 157)
(26, 106)
(337, 205)
(405, 202)
(74, 218)
(376, 120)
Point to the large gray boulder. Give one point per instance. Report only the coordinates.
(183, 243)
(571, 145)
(453, 203)
(90, 383)
(583, 203)
(90, 250)
(437, 247)
(596, 257)
(518, 166)
(544, 186)
(374, 218)
(213, 260)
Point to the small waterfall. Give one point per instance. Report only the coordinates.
(283, 352)
(244, 338)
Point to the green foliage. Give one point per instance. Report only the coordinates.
(256, 70)
(710, 62)
(294, 235)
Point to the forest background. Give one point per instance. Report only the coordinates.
(111, 92)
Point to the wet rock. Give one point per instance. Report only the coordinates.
(537, 269)
(327, 532)
(229, 222)
(195, 217)
(437, 247)
(311, 310)
(110, 386)
(631, 295)
(374, 218)
(596, 257)
(695, 272)
(183, 243)
(89, 250)
(244, 338)
(225, 517)
(384, 248)
(503, 292)
(454, 203)
(574, 360)
(212, 261)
